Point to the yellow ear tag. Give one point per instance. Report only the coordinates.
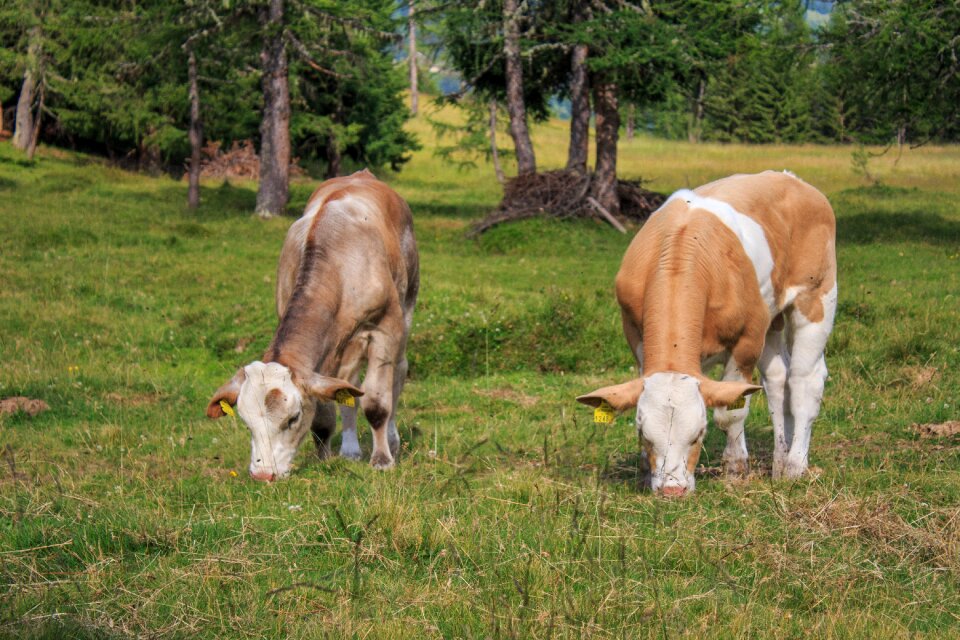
(739, 403)
(604, 413)
(343, 397)
(227, 409)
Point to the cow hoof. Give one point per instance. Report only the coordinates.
(736, 469)
(788, 471)
(351, 454)
(793, 471)
(381, 461)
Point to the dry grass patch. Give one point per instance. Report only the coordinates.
(931, 538)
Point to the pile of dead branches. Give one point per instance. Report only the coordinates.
(566, 194)
(240, 161)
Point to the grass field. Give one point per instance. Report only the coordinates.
(124, 512)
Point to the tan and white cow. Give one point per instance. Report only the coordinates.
(346, 287)
(741, 270)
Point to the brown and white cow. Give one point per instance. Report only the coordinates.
(346, 287)
(741, 270)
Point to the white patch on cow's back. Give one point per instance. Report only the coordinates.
(750, 234)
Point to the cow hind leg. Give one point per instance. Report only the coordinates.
(322, 428)
(735, 458)
(808, 373)
(774, 365)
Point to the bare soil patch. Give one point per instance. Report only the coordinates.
(510, 395)
(938, 430)
(30, 406)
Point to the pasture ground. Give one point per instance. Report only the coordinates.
(124, 512)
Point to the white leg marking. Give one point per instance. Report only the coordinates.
(350, 444)
(735, 457)
(808, 372)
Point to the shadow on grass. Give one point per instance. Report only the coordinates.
(892, 214)
(879, 226)
(630, 470)
(57, 628)
(462, 210)
(18, 162)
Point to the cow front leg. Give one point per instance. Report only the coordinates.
(377, 400)
(322, 428)
(399, 378)
(736, 463)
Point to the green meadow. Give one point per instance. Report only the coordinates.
(125, 512)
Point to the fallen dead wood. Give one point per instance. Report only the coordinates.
(239, 161)
(564, 194)
(606, 214)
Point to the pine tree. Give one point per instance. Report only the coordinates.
(894, 66)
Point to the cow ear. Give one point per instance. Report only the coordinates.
(325, 388)
(620, 396)
(725, 393)
(227, 393)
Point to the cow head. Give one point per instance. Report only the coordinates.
(671, 418)
(277, 404)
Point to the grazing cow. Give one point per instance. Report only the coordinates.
(741, 270)
(346, 287)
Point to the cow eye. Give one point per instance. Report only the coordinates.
(292, 421)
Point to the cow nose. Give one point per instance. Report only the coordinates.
(673, 492)
(263, 476)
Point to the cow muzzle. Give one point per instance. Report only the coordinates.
(673, 492)
(263, 476)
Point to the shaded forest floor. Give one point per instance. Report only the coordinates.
(124, 512)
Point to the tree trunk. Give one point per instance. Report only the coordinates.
(579, 148)
(696, 126)
(526, 162)
(333, 158)
(494, 154)
(579, 111)
(24, 125)
(196, 133)
(412, 30)
(273, 193)
(604, 187)
(630, 122)
(35, 136)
